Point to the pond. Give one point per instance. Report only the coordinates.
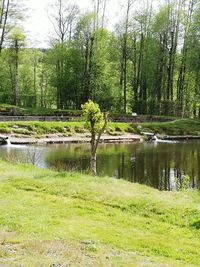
(160, 165)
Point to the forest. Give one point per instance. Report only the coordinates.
(148, 63)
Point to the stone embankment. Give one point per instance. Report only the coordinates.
(52, 139)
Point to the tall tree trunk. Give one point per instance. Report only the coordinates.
(91, 88)
(4, 18)
(85, 85)
(170, 68)
(58, 85)
(104, 11)
(160, 68)
(140, 65)
(41, 89)
(125, 54)
(35, 83)
(12, 80)
(125, 73)
(2, 13)
(182, 71)
(16, 73)
(135, 89)
(197, 90)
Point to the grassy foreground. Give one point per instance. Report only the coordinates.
(69, 219)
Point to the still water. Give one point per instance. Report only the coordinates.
(160, 165)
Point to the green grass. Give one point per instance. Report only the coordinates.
(33, 127)
(72, 219)
(176, 127)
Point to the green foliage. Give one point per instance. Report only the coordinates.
(17, 35)
(184, 184)
(90, 64)
(93, 116)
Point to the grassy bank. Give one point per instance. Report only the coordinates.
(68, 128)
(176, 127)
(61, 219)
(33, 128)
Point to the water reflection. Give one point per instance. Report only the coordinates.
(162, 166)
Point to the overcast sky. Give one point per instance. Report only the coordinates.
(39, 28)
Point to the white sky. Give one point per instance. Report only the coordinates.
(39, 28)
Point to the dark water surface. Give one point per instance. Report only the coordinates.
(160, 165)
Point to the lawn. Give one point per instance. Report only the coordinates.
(70, 219)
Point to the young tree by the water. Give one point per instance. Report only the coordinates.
(96, 122)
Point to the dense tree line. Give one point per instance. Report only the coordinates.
(149, 63)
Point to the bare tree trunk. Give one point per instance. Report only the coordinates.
(125, 73)
(97, 19)
(135, 89)
(2, 13)
(182, 72)
(16, 72)
(90, 62)
(41, 88)
(123, 67)
(140, 63)
(170, 74)
(125, 56)
(104, 11)
(34, 83)
(197, 91)
(121, 79)
(160, 68)
(12, 80)
(4, 22)
(85, 86)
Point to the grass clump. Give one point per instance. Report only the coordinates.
(51, 218)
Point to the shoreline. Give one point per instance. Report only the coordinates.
(52, 139)
(78, 139)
